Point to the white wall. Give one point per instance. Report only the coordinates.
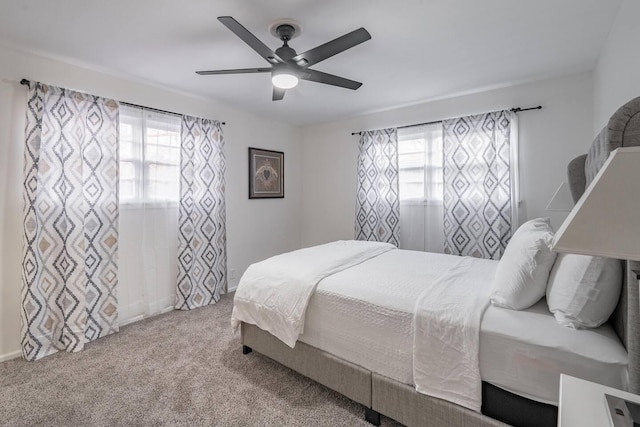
(617, 74)
(256, 229)
(549, 139)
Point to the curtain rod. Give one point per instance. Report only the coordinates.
(515, 110)
(26, 82)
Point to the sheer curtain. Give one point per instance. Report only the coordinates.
(70, 264)
(420, 177)
(149, 195)
(480, 183)
(378, 203)
(202, 237)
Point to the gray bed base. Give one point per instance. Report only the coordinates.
(378, 394)
(402, 403)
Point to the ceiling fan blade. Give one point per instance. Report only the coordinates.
(250, 39)
(278, 93)
(327, 50)
(329, 79)
(235, 71)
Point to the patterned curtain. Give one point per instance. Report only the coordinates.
(69, 268)
(202, 239)
(477, 184)
(378, 202)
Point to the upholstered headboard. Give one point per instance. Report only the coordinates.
(622, 130)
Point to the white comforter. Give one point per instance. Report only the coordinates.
(274, 294)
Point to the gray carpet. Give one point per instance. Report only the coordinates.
(179, 368)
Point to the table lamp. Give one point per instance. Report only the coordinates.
(606, 222)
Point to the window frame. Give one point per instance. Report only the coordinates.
(428, 168)
(141, 164)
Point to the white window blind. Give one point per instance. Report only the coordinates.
(149, 156)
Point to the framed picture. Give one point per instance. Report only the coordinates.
(266, 174)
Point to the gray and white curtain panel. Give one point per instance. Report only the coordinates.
(69, 267)
(478, 170)
(378, 202)
(202, 259)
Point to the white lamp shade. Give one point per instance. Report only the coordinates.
(562, 201)
(606, 219)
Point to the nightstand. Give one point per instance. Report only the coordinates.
(582, 403)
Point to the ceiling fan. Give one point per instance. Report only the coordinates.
(287, 66)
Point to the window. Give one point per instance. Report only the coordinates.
(149, 204)
(420, 162)
(149, 156)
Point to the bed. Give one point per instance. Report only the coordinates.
(357, 332)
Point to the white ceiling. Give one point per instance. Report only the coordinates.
(420, 49)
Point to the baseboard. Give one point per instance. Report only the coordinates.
(9, 356)
(142, 316)
(167, 309)
(132, 320)
(232, 289)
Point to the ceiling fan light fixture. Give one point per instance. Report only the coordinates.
(284, 80)
(287, 67)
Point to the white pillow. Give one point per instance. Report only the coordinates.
(583, 290)
(521, 276)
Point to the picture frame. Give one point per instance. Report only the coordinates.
(266, 174)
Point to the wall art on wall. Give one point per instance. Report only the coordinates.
(266, 174)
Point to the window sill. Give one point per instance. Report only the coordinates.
(416, 202)
(147, 205)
